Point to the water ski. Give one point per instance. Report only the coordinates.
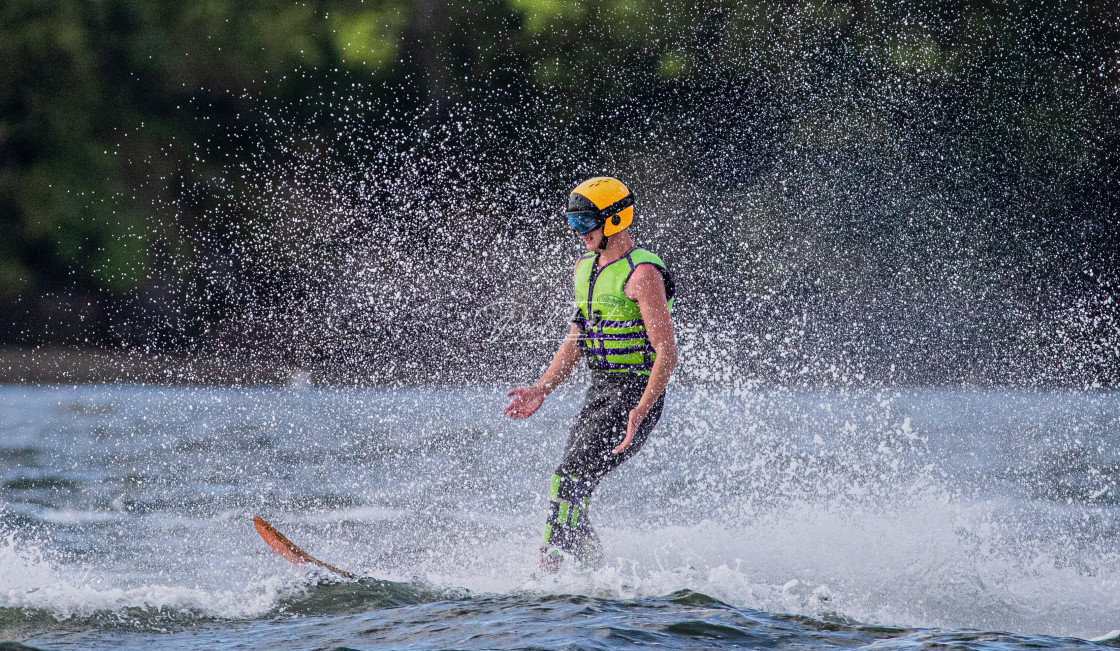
(288, 550)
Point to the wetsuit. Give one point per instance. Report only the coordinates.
(620, 357)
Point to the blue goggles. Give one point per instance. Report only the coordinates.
(584, 221)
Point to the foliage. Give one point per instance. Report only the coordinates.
(122, 121)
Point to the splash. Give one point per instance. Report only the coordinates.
(927, 508)
(31, 581)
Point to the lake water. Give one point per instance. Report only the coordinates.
(776, 519)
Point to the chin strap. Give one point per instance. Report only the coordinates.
(613, 219)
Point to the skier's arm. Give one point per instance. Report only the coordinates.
(562, 364)
(647, 287)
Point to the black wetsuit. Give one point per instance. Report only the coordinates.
(589, 456)
(610, 339)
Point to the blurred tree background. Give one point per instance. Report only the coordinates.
(861, 192)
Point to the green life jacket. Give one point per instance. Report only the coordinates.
(612, 332)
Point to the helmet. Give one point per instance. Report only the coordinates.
(601, 201)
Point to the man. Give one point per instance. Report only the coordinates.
(624, 295)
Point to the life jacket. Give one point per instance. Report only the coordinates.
(612, 332)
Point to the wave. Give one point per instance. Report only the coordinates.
(684, 619)
(852, 516)
(38, 596)
(926, 561)
(168, 609)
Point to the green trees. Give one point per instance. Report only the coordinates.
(136, 137)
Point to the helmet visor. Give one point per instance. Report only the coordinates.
(584, 221)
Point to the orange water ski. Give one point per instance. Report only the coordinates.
(288, 550)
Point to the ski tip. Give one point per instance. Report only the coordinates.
(278, 542)
(288, 550)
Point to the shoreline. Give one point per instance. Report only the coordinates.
(55, 365)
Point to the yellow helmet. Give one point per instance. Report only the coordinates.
(601, 201)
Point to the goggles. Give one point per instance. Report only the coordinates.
(584, 221)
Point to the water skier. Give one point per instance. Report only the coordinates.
(623, 296)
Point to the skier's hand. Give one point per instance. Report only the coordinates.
(526, 402)
(637, 415)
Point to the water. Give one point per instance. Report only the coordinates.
(788, 519)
